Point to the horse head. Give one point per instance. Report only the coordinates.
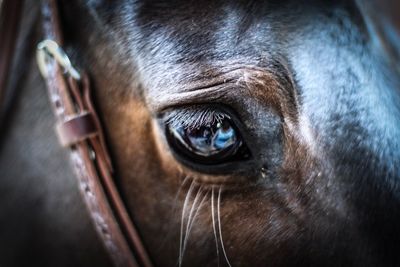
(249, 133)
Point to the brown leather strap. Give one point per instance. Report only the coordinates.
(10, 14)
(76, 129)
(79, 128)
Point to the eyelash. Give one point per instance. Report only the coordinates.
(192, 118)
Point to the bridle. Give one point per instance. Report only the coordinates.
(79, 130)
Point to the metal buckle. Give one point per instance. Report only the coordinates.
(49, 49)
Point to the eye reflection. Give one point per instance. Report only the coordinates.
(215, 140)
(208, 140)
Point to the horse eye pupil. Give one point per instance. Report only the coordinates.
(209, 144)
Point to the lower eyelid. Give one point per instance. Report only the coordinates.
(215, 180)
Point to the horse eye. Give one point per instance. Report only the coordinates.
(211, 142)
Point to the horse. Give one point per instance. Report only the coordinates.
(242, 133)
